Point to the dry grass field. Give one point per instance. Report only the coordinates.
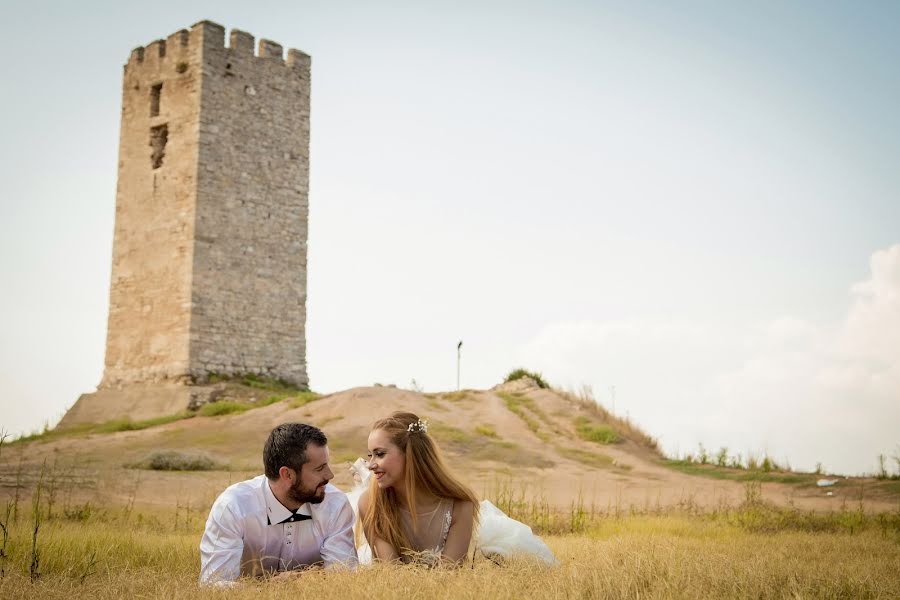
(117, 510)
(122, 553)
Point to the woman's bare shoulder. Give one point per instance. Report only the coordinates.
(462, 509)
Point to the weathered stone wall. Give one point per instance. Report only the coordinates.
(209, 257)
(150, 294)
(249, 292)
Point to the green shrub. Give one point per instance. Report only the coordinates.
(739, 473)
(255, 381)
(223, 407)
(447, 434)
(216, 378)
(520, 373)
(722, 457)
(79, 512)
(591, 459)
(516, 405)
(270, 400)
(486, 430)
(302, 399)
(600, 434)
(171, 460)
(434, 404)
(129, 425)
(113, 426)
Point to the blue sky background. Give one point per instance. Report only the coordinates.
(675, 199)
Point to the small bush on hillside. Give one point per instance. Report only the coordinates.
(303, 398)
(486, 430)
(591, 459)
(265, 383)
(80, 512)
(456, 396)
(520, 373)
(171, 460)
(129, 425)
(223, 407)
(435, 404)
(702, 455)
(600, 434)
(255, 381)
(448, 434)
(112, 426)
(516, 404)
(883, 472)
(722, 457)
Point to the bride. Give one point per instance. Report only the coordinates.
(414, 510)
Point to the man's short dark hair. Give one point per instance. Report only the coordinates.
(286, 447)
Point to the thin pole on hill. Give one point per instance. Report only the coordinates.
(612, 393)
(458, 358)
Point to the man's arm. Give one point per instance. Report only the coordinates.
(338, 549)
(222, 546)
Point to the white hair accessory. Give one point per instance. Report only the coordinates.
(419, 426)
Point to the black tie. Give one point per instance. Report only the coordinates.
(295, 516)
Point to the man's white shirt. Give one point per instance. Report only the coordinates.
(249, 532)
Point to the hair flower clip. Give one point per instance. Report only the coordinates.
(420, 426)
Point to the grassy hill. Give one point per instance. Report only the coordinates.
(531, 441)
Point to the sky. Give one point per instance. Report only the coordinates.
(696, 204)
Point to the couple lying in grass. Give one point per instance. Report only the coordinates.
(409, 506)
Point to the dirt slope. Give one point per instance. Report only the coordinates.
(523, 441)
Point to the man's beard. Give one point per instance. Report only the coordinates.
(302, 495)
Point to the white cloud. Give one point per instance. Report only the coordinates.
(872, 330)
(802, 391)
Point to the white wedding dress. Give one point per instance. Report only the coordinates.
(497, 534)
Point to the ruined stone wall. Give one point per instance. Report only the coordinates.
(150, 294)
(249, 292)
(209, 257)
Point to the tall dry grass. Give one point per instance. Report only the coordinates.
(750, 550)
(666, 556)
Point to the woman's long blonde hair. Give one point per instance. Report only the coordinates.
(425, 471)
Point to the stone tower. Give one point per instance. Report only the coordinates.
(209, 252)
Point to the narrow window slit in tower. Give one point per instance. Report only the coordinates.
(159, 135)
(155, 93)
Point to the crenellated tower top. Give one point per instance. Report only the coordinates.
(179, 47)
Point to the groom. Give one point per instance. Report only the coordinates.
(287, 519)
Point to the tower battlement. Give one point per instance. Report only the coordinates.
(207, 35)
(210, 242)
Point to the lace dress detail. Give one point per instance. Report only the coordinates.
(430, 537)
(448, 520)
